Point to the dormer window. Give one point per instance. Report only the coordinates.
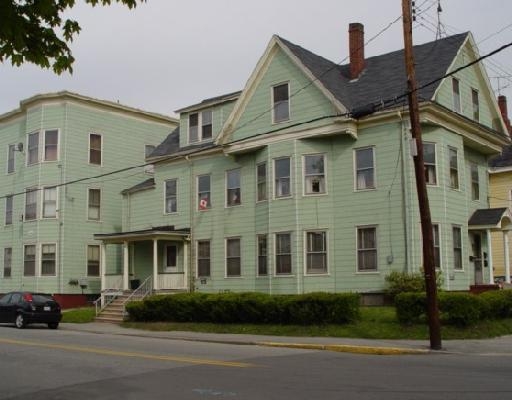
(200, 126)
(280, 103)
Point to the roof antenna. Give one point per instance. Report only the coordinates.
(439, 23)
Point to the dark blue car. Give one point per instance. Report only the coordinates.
(23, 308)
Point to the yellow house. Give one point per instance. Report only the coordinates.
(500, 196)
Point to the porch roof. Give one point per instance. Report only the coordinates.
(491, 218)
(158, 232)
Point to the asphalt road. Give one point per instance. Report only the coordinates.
(37, 363)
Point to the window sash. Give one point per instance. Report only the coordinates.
(233, 195)
(367, 249)
(475, 182)
(457, 248)
(476, 104)
(33, 148)
(437, 249)
(365, 169)
(283, 254)
(316, 252)
(233, 257)
(314, 174)
(262, 255)
(454, 169)
(30, 204)
(429, 159)
(8, 210)
(203, 258)
(282, 171)
(203, 192)
(51, 145)
(29, 260)
(171, 198)
(94, 206)
(456, 94)
(95, 149)
(93, 260)
(48, 259)
(171, 256)
(10, 158)
(50, 202)
(261, 173)
(7, 262)
(206, 125)
(281, 103)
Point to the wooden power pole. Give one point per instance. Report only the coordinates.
(421, 186)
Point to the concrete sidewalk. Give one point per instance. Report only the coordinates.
(501, 346)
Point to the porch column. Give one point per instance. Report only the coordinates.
(125, 265)
(103, 265)
(507, 256)
(155, 264)
(185, 264)
(489, 257)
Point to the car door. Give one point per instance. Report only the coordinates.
(4, 307)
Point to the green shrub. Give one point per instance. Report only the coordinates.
(312, 308)
(496, 304)
(408, 282)
(411, 307)
(460, 309)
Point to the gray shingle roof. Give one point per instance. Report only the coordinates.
(147, 184)
(502, 160)
(384, 76)
(487, 217)
(171, 144)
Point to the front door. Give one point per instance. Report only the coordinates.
(476, 257)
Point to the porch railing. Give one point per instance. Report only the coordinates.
(145, 289)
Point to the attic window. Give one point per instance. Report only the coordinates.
(476, 104)
(281, 103)
(200, 126)
(456, 95)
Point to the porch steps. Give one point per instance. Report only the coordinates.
(114, 312)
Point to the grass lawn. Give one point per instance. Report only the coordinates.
(375, 323)
(79, 315)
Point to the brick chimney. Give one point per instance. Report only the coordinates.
(502, 103)
(356, 49)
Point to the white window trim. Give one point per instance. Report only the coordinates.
(39, 265)
(29, 189)
(43, 188)
(325, 192)
(200, 138)
(226, 205)
(354, 161)
(13, 157)
(436, 164)
(266, 181)
(38, 148)
(165, 197)
(272, 103)
(274, 272)
(36, 261)
(368, 272)
(87, 261)
(197, 193)
(462, 269)
(290, 195)
(305, 252)
(43, 147)
(87, 204)
(258, 275)
(197, 258)
(89, 149)
(450, 148)
(5, 210)
(165, 266)
(226, 276)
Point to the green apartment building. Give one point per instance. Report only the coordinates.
(304, 180)
(58, 151)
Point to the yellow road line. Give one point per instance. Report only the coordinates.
(128, 354)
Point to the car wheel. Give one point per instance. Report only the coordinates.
(20, 321)
(53, 325)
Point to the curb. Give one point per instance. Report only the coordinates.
(345, 348)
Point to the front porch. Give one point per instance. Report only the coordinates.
(159, 254)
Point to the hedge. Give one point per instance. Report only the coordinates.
(460, 309)
(258, 308)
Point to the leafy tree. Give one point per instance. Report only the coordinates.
(34, 31)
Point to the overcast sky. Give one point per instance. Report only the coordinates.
(168, 54)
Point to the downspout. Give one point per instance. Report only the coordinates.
(62, 197)
(406, 192)
(443, 249)
(300, 281)
(191, 258)
(270, 237)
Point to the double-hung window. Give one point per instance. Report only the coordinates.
(10, 158)
(437, 250)
(171, 196)
(33, 148)
(200, 126)
(367, 249)
(8, 210)
(316, 252)
(31, 204)
(7, 262)
(29, 260)
(93, 260)
(171, 257)
(282, 177)
(429, 159)
(283, 254)
(48, 259)
(95, 149)
(454, 168)
(51, 145)
(203, 258)
(262, 255)
(457, 247)
(365, 168)
(233, 257)
(456, 95)
(50, 202)
(314, 174)
(476, 104)
(94, 204)
(203, 192)
(280, 103)
(475, 182)
(233, 195)
(261, 181)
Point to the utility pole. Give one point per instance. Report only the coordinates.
(421, 186)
